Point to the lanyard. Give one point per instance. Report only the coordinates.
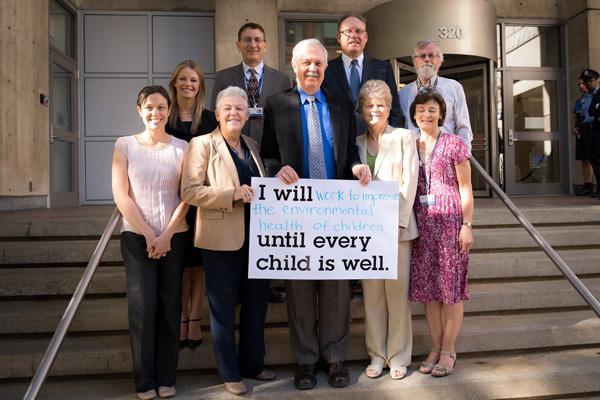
(428, 173)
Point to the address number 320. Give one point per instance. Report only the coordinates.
(450, 32)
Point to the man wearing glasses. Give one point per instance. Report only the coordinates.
(427, 59)
(252, 75)
(260, 82)
(347, 73)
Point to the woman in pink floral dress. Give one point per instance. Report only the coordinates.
(444, 211)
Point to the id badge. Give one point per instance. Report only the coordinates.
(255, 112)
(427, 200)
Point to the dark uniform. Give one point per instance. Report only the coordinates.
(591, 124)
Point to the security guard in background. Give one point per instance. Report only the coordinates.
(591, 122)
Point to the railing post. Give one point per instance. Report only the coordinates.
(63, 326)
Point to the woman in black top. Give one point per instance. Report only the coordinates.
(187, 120)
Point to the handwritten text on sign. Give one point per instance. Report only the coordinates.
(323, 229)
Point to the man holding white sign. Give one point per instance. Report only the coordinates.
(311, 132)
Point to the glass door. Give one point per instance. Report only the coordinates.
(535, 140)
(63, 133)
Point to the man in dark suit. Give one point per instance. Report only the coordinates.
(257, 79)
(310, 131)
(348, 72)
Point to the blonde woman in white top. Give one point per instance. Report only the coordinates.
(392, 156)
(146, 173)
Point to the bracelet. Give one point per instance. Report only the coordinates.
(468, 224)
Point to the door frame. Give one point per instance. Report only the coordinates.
(512, 187)
(71, 198)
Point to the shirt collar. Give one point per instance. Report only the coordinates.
(319, 96)
(259, 69)
(433, 81)
(347, 60)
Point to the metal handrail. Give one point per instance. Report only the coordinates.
(63, 326)
(539, 239)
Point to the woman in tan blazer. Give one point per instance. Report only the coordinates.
(392, 156)
(216, 178)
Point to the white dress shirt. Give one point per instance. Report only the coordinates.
(457, 114)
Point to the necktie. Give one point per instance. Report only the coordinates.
(354, 80)
(316, 157)
(253, 87)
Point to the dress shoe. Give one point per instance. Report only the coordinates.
(148, 395)
(398, 372)
(275, 296)
(305, 376)
(439, 370)
(265, 375)
(586, 190)
(338, 375)
(237, 388)
(166, 392)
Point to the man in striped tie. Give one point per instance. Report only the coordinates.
(310, 132)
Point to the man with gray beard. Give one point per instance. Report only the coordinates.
(427, 58)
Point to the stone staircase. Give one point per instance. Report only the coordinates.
(526, 334)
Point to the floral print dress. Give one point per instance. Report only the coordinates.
(438, 272)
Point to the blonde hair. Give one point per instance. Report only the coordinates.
(200, 96)
(375, 88)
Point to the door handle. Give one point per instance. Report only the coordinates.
(511, 137)
(52, 137)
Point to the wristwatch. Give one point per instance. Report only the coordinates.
(467, 224)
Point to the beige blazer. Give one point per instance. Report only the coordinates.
(397, 161)
(209, 178)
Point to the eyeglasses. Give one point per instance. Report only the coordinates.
(248, 40)
(348, 32)
(424, 56)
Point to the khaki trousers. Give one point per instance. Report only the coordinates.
(388, 321)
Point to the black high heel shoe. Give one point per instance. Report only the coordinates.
(184, 342)
(191, 343)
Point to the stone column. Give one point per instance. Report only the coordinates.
(24, 142)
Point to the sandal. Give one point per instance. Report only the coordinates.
(426, 367)
(184, 342)
(374, 371)
(191, 343)
(439, 371)
(398, 372)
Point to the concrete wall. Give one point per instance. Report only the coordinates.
(230, 15)
(23, 120)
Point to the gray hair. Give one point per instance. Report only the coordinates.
(424, 43)
(231, 91)
(301, 47)
(374, 88)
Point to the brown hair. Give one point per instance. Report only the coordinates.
(251, 25)
(200, 96)
(424, 96)
(147, 91)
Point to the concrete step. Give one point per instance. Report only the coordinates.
(518, 238)
(51, 281)
(55, 252)
(110, 314)
(111, 354)
(46, 281)
(91, 220)
(79, 251)
(559, 374)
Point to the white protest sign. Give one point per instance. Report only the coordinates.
(323, 229)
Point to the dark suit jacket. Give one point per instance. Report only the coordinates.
(373, 68)
(274, 82)
(283, 140)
